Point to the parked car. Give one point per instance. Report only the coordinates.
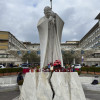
(97, 66)
(1, 66)
(25, 65)
(77, 66)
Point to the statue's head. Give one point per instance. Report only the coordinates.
(47, 11)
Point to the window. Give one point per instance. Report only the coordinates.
(3, 55)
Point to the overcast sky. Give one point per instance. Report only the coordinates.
(20, 17)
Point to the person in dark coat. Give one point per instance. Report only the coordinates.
(19, 77)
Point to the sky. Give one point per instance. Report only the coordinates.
(20, 17)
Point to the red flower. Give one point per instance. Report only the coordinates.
(54, 64)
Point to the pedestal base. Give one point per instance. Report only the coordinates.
(59, 86)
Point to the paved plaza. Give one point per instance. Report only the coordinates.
(11, 92)
(92, 95)
(9, 95)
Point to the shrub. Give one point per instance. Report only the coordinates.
(10, 70)
(94, 69)
(16, 69)
(79, 72)
(1, 70)
(85, 69)
(7, 70)
(97, 69)
(91, 69)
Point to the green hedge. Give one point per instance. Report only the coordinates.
(85, 69)
(90, 69)
(79, 72)
(10, 70)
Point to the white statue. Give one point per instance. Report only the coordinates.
(50, 31)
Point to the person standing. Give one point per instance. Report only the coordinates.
(51, 67)
(20, 78)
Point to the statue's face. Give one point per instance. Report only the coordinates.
(47, 12)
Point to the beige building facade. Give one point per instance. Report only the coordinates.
(92, 39)
(11, 49)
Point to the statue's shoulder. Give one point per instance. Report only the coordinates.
(58, 18)
(41, 20)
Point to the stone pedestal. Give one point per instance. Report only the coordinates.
(67, 86)
(58, 86)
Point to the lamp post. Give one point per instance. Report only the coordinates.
(82, 59)
(82, 53)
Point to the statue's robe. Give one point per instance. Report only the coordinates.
(50, 40)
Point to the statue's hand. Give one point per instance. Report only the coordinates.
(51, 20)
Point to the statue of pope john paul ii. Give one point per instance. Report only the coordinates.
(50, 31)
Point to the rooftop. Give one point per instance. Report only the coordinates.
(98, 16)
(91, 30)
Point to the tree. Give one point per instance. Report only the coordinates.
(31, 57)
(69, 56)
